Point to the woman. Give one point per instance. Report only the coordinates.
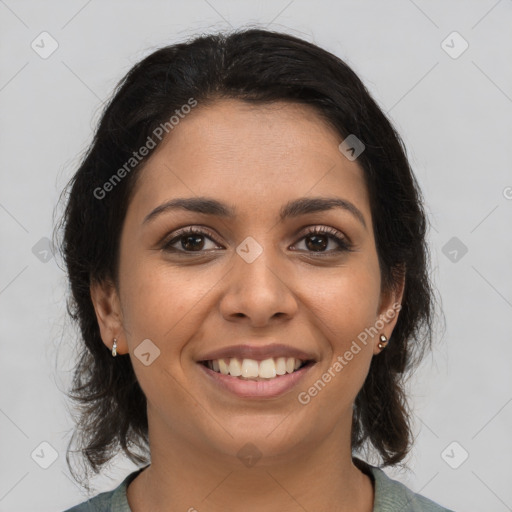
(245, 243)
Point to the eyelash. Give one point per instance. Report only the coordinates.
(342, 241)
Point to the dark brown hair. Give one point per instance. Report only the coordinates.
(256, 66)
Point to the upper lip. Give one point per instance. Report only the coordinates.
(257, 352)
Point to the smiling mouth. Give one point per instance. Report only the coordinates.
(251, 369)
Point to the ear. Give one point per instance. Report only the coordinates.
(389, 307)
(107, 306)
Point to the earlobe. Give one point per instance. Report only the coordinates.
(390, 306)
(106, 304)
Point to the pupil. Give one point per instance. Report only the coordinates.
(319, 242)
(196, 242)
(188, 245)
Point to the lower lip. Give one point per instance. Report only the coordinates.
(271, 388)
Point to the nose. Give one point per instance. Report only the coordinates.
(258, 293)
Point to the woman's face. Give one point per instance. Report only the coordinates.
(255, 285)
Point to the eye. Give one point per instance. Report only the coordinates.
(191, 239)
(316, 239)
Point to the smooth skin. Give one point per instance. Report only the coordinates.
(192, 297)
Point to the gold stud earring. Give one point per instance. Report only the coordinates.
(383, 342)
(114, 348)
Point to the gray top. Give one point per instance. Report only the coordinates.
(390, 496)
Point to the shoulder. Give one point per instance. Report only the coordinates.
(100, 503)
(110, 501)
(391, 495)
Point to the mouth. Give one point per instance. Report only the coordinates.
(254, 370)
(269, 378)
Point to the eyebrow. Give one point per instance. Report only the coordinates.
(292, 209)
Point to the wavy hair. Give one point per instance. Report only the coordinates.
(256, 66)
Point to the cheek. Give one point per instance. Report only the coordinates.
(344, 309)
(346, 300)
(345, 304)
(161, 301)
(162, 305)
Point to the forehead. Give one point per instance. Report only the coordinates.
(245, 130)
(251, 156)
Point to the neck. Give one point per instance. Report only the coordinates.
(185, 477)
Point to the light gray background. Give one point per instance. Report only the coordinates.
(455, 117)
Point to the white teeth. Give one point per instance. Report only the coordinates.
(281, 365)
(223, 367)
(235, 368)
(250, 368)
(268, 369)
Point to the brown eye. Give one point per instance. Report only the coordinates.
(317, 239)
(317, 242)
(190, 240)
